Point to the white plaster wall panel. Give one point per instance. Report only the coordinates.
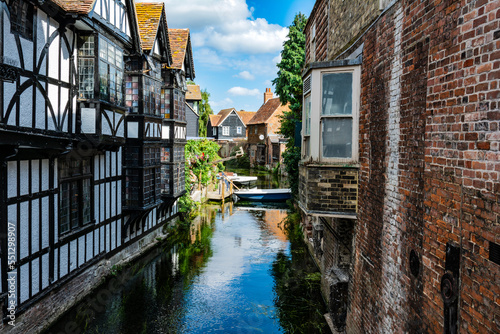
(53, 94)
(40, 110)
(45, 174)
(121, 127)
(132, 130)
(108, 163)
(112, 11)
(101, 239)
(74, 112)
(119, 163)
(119, 198)
(24, 230)
(63, 265)
(56, 265)
(108, 200)
(26, 107)
(35, 176)
(81, 250)
(113, 163)
(45, 221)
(12, 220)
(24, 168)
(54, 51)
(101, 200)
(165, 133)
(72, 252)
(56, 171)
(45, 271)
(56, 213)
(9, 89)
(119, 232)
(108, 243)
(41, 36)
(65, 63)
(106, 128)
(35, 225)
(96, 204)
(12, 179)
(96, 242)
(11, 50)
(35, 276)
(89, 245)
(24, 278)
(113, 235)
(113, 199)
(101, 169)
(27, 49)
(96, 167)
(98, 7)
(88, 120)
(62, 109)
(153, 215)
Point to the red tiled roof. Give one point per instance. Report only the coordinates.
(148, 19)
(267, 110)
(75, 6)
(214, 120)
(223, 114)
(246, 116)
(178, 43)
(193, 93)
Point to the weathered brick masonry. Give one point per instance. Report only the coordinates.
(430, 167)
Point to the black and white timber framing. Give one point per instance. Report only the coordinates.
(88, 162)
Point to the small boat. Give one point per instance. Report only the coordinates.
(264, 194)
(243, 179)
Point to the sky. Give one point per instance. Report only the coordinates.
(236, 45)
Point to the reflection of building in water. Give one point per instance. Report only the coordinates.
(272, 220)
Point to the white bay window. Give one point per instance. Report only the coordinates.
(331, 115)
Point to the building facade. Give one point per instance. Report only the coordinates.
(82, 139)
(399, 174)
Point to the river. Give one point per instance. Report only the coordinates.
(234, 270)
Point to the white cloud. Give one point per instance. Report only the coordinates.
(225, 25)
(241, 91)
(245, 75)
(223, 104)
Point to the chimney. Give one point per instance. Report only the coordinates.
(268, 95)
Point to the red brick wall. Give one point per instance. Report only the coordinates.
(319, 17)
(430, 167)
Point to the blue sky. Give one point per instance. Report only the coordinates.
(236, 45)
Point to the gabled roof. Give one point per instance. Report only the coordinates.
(223, 115)
(193, 93)
(190, 108)
(214, 120)
(246, 116)
(267, 110)
(149, 18)
(182, 53)
(75, 6)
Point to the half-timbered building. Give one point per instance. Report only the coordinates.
(87, 119)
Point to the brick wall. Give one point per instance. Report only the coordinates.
(430, 166)
(328, 189)
(347, 20)
(318, 18)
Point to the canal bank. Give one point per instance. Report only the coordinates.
(233, 271)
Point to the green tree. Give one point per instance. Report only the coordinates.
(288, 86)
(205, 111)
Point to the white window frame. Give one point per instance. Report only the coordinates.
(238, 130)
(225, 130)
(315, 135)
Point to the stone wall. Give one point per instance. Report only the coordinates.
(329, 189)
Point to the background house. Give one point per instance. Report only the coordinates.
(399, 174)
(228, 125)
(193, 98)
(264, 146)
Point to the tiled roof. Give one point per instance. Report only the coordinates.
(223, 114)
(178, 42)
(267, 110)
(246, 116)
(148, 17)
(214, 120)
(193, 93)
(76, 6)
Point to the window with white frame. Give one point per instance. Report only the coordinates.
(238, 130)
(214, 131)
(332, 107)
(225, 130)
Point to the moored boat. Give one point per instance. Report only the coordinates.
(264, 194)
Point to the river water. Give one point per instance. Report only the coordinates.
(234, 270)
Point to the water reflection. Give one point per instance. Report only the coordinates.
(226, 274)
